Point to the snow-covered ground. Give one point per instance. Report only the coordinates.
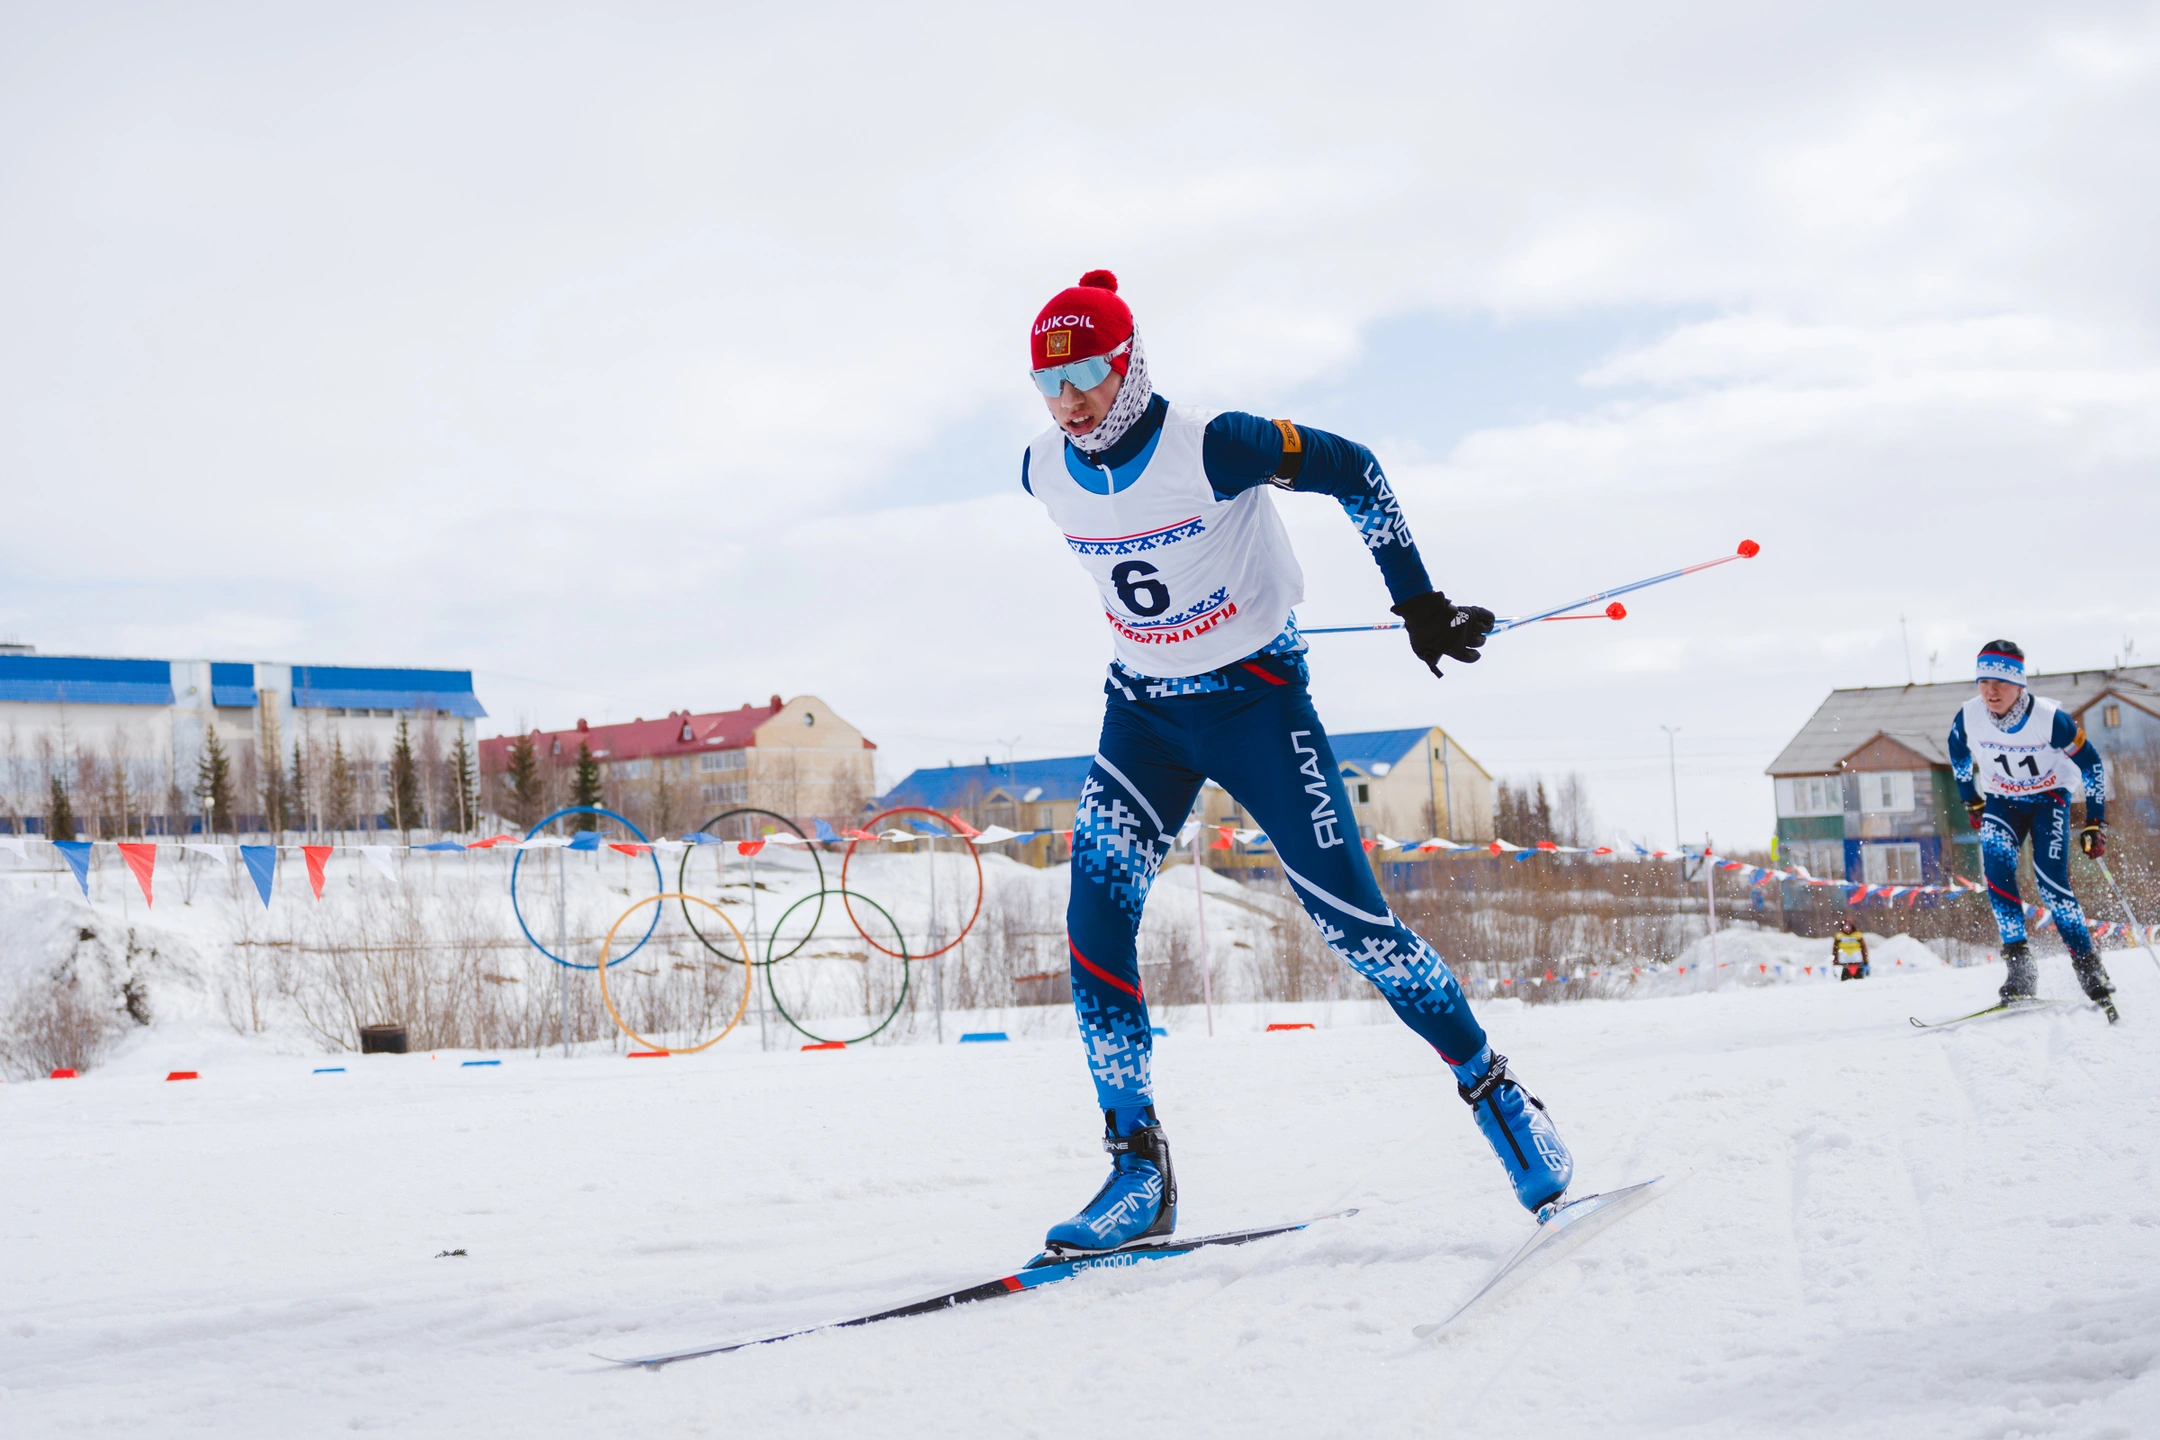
(1874, 1232)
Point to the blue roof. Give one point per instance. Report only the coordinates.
(79, 680)
(949, 787)
(1368, 748)
(338, 687)
(952, 786)
(232, 684)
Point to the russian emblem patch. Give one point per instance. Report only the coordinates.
(1057, 344)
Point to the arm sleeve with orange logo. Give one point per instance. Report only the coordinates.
(2070, 738)
(1244, 451)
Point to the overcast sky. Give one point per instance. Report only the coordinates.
(641, 357)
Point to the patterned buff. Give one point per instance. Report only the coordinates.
(1125, 411)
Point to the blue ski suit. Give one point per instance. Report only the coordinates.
(2007, 820)
(1252, 728)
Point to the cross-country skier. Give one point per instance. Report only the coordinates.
(1848, 951)
(2014, 753)
(1169, 511)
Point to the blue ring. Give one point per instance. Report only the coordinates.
(659, 884)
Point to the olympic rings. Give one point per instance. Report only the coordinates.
(682, 880)
(659, 882)
(772, 987)
(749, 978)
(901, 954)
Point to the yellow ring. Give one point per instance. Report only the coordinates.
(741, 945)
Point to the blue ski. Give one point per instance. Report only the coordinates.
(1571, 1223)
(1044, 1269)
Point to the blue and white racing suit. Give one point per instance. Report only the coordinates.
(1175, 523)
(2023, 766)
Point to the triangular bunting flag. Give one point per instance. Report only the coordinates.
(142, 859)
(261, 862)
(16, 843)
(585, 840)
(824, 831)
(379, 857)
(317, 856)
(77, 855)
(751, 847)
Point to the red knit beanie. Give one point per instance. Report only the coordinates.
(1082, 322)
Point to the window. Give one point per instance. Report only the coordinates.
(632, 769)
(1364, 794)
(723, 760)
(1824, 859)
(730, 794)
(2111, 717)
(1885, 791)
(1890, 864)
(1810, 795)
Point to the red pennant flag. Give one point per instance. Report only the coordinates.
(1368, 846)
(745, 847)
(636, 849)
(141, 859)
(963, 827)
(1222, 838)
(316, 856)
(492, 841)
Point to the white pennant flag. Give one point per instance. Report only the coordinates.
(16, 843)
(215, 852)
(379, 857)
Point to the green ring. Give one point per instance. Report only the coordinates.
(774, 991)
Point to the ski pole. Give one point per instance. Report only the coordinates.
(1747, 550)
(2142, 934)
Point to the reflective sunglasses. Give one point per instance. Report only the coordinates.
(1084, 374)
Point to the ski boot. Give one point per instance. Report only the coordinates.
(2024, 979)
(2094, 977)
(1139, 1199)
(1519, 1131)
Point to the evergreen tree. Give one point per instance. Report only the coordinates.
(338, 792)
(213, 784)
(273, 796)
(405, 809)
(296, 787)
(463, 787)
(585, 789)
(524, 781)
(59, 814)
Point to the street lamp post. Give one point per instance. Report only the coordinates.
(1672, 761)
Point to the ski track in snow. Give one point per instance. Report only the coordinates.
(1874, 1232)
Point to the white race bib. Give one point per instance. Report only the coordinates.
(1188, 582)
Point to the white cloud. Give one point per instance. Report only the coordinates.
(577, 344)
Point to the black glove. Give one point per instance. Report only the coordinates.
(1438, 627)
(2092, 842)
(1974, 809)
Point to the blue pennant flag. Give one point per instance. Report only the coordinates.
(77, 854)
(585, 840)
(699, 837)
(824, 831)
(924, 827)
(261, 862)
(441, 845)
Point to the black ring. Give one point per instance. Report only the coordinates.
(682, 883)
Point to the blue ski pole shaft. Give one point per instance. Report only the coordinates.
(1746, 551)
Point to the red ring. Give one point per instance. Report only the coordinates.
(945, 820)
